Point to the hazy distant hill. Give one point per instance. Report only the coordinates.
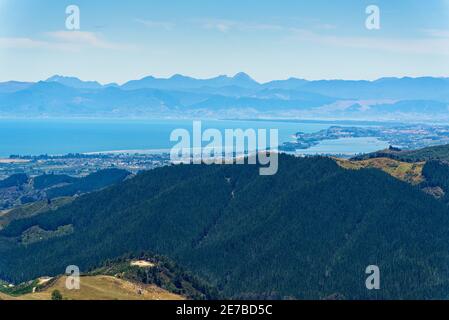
(178, 82)
(424, 88)
(13, 86)
(180, 96)
(308, 232)
(75, 82)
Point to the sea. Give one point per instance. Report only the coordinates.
(63, 136)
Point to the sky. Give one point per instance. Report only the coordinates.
(268, 39)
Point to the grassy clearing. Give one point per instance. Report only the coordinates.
(405, 171)
(99, 288)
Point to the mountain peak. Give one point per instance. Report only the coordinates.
(179, 77)
(58, 77)
(242, 76)
(74, 82)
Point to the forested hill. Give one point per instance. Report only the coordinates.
(20, 189)
(440, 153)
(309, 231)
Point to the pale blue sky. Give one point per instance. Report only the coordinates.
(203, 38)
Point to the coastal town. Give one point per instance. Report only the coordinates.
(403, 136)
(80, 165)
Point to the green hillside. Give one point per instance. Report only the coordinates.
(94, 181)
(20, 189)
(14, 181)
(32, 209)
(309, 231)
(143, 277)
(440, 153)
(99, 288)
(51, 180)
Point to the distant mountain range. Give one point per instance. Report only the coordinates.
(240, 96)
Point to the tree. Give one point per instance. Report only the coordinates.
(56, 295)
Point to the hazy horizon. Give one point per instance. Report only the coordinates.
(224, 75)
(302, 39)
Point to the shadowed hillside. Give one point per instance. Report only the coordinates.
(308, 232)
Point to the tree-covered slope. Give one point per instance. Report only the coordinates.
(94, 181)
(14, 181)
(51, 180)
(141, 277)
(440, 153)
(309, 231)
(19, 189)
